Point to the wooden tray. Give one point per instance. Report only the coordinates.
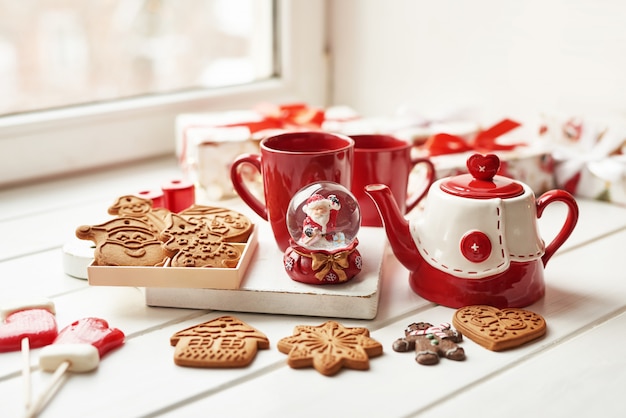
(179, 277)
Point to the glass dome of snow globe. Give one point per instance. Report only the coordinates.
(323, 215)
(323, 220)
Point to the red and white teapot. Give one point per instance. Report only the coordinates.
(475, 239)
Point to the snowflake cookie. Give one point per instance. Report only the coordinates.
(329, 347)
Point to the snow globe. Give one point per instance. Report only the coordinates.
(323, 220)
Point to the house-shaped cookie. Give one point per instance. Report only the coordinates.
(220, 343)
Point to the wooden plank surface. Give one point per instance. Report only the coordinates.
(585, 302)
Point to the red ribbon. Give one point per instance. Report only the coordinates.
(484, 141)
(286, 116)
(297, 115)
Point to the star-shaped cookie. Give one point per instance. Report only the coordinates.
(329, 347)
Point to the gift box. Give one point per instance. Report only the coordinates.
(403, 123)
(590, 156)
(207, 143)
(524, 155)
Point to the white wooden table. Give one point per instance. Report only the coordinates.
(577, 369)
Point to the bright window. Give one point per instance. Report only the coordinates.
(91, 84)
(57, 53)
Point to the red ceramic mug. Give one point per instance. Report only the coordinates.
(287, 163)
(384, 159)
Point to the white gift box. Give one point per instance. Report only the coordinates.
(206, 147)
(590, 156)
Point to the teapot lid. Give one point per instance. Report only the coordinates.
(482, 181)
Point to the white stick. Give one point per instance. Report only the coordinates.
(26, 371)
(49, 391)
(61, 358)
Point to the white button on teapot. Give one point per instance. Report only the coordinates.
(475, 238)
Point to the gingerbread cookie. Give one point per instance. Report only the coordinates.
(430, 342)
(232, 226)
(191, 243)
(131, 206)
(123, 242)
(222, 342)
(329, 347)
(499, 329)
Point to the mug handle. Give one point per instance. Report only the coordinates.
(570, 221)
(239, 185)
(415, 198)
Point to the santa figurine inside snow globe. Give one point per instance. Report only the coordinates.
(323, 220)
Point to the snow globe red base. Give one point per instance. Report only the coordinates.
(323, 220)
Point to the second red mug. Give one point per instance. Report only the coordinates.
(384, 159)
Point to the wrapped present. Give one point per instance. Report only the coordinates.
(207, 143)
(450, 138)
(524, 155)
(590, 157)
(403, 123)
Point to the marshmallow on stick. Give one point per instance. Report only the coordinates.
(78, 348)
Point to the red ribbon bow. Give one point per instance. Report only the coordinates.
(294, 115)
(285, 116)
(484, 141)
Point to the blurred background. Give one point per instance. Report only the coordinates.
(431, 56)
(55, 53)
(499, 56)
(141, 63)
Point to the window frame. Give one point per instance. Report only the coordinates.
(59, 142)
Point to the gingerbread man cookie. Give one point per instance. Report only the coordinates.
(430, 342)
(130, 206)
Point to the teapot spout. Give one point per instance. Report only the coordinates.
(396, 226)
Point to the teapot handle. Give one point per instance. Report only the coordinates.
(570, 221)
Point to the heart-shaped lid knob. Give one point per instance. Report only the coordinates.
(482, 182)
(483, 167)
